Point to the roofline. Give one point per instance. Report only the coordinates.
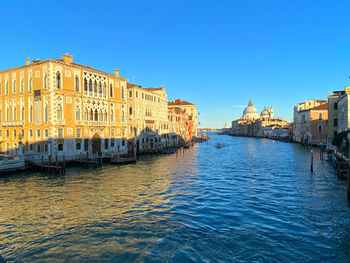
(63, 63)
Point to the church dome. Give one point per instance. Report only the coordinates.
(250, 112)
(265, 113)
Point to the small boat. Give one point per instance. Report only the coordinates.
(219, 145)
(186, 146)
(170, 152)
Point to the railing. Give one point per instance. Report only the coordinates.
(80, 122)
(12, 123)
(95, 123)
(61, 122)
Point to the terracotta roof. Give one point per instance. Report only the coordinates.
(130, 85)
(153, 89)
(179, 102)
(321, 107)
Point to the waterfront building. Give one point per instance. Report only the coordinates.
(310, 122)
(179, 126)
(56, 106)
(333, 116)
(191, 110)
(147, 117)
(251, 124)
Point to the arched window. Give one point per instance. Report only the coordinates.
(130, 111)
(91, 115)
(7, 114)
(59, 112)
(122, 93)
(86, 114)
(85, 85)
(77, 113)
(46, 114)
(106, 115)
(112, 115)
(77, 83)
(30, 84)
(100, 87)
(15, 113)
(31, 113)
(45, 81)
(104, 90)
(90, 85)
(14, 87)
(22, 113)
(111, 90)
(96, 115)
(95, 86)
(100, 116)
(58, 80)
(22, 85)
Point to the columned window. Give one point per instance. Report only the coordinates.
(85, 85)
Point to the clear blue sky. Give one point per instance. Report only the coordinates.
(217, 54)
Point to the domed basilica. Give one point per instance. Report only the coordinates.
(250, 113)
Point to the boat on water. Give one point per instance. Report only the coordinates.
(170, 152)
(219, 145)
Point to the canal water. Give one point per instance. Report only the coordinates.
(254, 200)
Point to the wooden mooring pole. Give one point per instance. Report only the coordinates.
(348, 185)
(312, 161)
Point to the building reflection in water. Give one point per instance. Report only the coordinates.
(49, 209)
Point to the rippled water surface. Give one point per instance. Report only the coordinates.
(254, 200)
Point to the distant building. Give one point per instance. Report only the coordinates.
(190, 109)
(251, 124)
(310, 122)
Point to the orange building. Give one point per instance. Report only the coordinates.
(191, 110)
(56, 106)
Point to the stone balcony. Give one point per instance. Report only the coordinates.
(95, 123)
(12, 123)
(79, 122)
(61, 122)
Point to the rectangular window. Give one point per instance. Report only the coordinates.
(78, 133)
(37, 134)
(46, 147)
(130, 94)
(78, 146)
(335, 122)
(30, 134)
(335, 106)
(106, 144)
(46, 133)
(60, 133)
(112, 132)
(319, 128)
(14, 134)
(60, 147)
(38, 148)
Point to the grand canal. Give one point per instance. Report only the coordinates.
(252, 200)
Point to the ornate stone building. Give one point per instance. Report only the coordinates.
(147, 117)
(56, 106)
(251, 124)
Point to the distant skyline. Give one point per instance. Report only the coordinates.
(217, 55)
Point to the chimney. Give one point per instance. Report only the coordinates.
(116, 73)
(27, 61)
(67, 58)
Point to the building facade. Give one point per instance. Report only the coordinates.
(310, 122)
(56, 106)
(191, 110)
(147, 117)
